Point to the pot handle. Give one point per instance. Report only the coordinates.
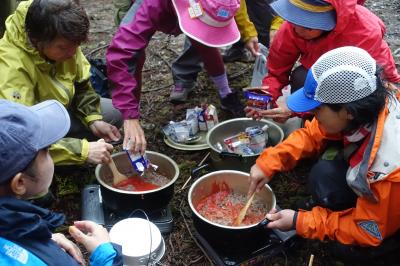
(115, 142)
(229, 154)
(263, 222)
(196, 171)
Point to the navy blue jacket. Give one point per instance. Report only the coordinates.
(30, 227)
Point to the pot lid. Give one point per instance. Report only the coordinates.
(133, 234)
(200, 144)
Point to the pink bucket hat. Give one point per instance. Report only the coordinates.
(209, 22)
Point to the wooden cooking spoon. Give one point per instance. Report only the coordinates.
(243, 211)
(117, 176)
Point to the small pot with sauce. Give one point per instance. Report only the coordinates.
(143, 195)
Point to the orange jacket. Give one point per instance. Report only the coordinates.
(367, 224)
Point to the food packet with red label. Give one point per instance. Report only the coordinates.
(257, 97)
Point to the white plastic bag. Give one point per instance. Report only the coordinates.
(260, 67)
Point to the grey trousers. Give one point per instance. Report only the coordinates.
(109, 113)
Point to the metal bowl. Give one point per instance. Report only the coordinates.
(223, 161)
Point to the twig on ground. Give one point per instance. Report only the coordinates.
(195, 260)
(170, 243)
(173, 51)
(163, 59)
(96, 50)
(311, 261)
(239, 73)
(190, 177)
(158, 88)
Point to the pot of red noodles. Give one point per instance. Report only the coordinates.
(216, 200)
(150, 192)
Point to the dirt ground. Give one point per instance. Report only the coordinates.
(157, 111)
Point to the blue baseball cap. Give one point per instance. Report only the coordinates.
(313, 14)
(26, 130)
(342, 75)
(303, 100)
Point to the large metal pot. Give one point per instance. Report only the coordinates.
(122, 201)
(229, 236)
(230, 161)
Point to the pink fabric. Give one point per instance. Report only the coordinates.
(356, 26)
(126, 53)
(212, 36)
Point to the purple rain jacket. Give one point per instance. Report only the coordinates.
(125, 55)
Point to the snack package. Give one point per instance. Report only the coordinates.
(258, 138)
(138, 161)
(202, 121)
(192, 121)
(235, 143)
(210, 116)
(177, 131)
(257, 97)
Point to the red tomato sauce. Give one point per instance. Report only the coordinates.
(222, 206)
(135, 183)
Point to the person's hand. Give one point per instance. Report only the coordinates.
(99, 152)
(282, 220)
(253, 113)
(134, 139)
(252, 46)
(105, 131)
(257, 179)
(272, 34)
(69, 247)
(279, 114)
(89, 234)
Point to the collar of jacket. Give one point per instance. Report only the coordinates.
(20, 219)
(380, 157)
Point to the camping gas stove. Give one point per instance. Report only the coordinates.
(272, 244)
(94, 210)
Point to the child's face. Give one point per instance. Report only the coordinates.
(332, 122)
(43, 170)
(306, 33)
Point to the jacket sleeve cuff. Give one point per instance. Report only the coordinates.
(299, 222)
(85, 149)
(294, 220)
(260, 163)
(103, 255)
(91, 118)
(129, 114)
(276, 23)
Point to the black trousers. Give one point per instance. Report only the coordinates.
(328, 187)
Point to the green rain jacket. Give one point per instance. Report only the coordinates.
(27, 78)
